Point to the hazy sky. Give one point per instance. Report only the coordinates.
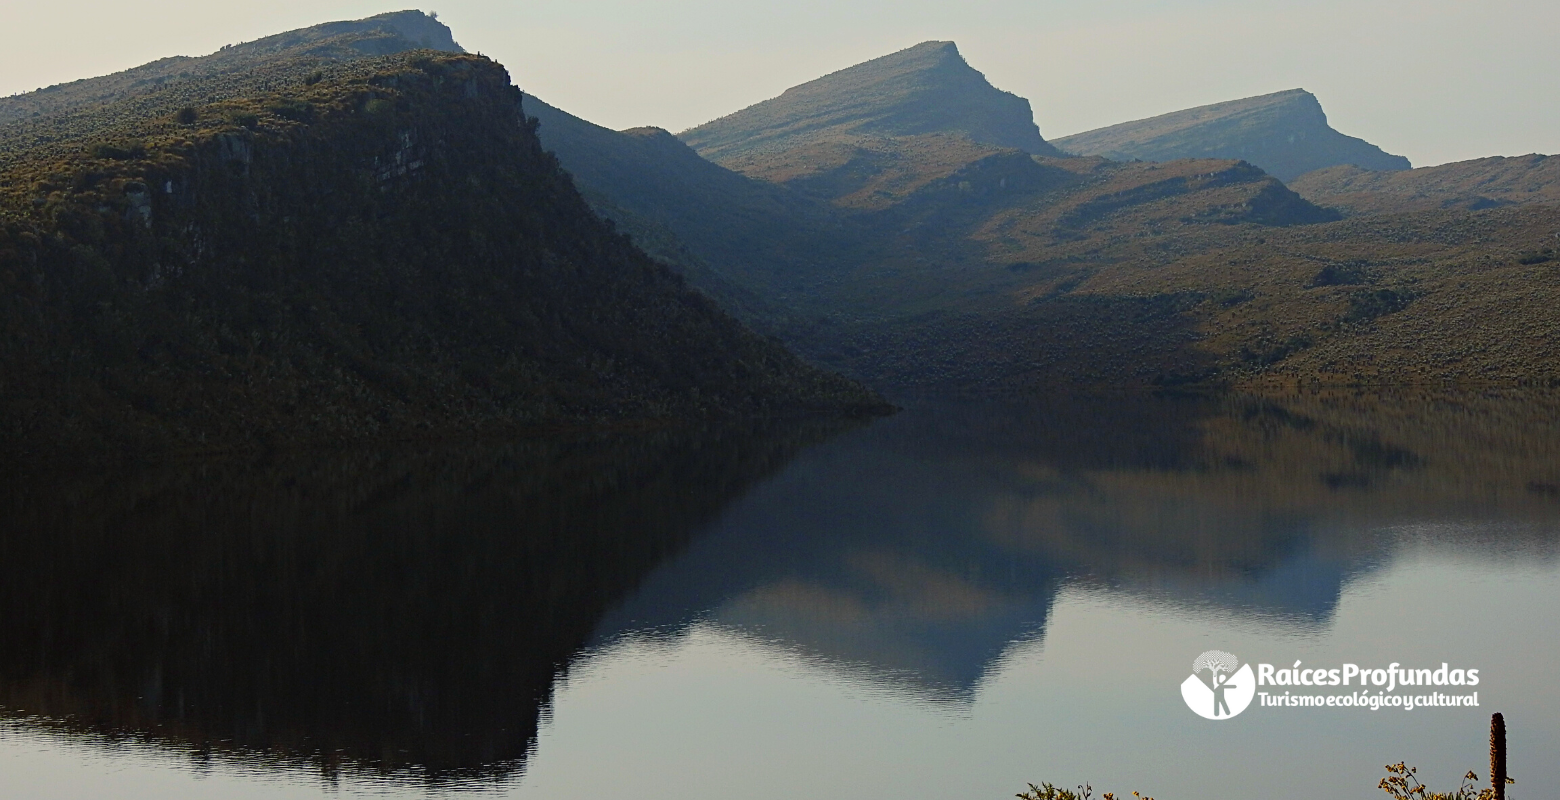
(1435, 80)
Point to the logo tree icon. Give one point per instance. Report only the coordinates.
(1220, 666)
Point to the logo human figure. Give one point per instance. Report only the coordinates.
(1221, 667)
(1220, 683)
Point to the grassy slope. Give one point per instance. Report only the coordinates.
(1472, 185)
(348, 250)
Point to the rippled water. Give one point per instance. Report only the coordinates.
(952, 602)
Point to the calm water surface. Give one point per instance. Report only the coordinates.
(951, 602)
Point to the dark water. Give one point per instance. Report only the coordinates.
(951, 602)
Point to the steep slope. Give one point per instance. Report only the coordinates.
(381, 34)
(928, 88)
(1473, 185)
(370, 248)
(1285, 133)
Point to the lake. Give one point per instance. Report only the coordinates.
(954, 601)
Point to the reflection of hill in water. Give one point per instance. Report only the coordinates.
(408, 613)
(399, 613)
(917, 550)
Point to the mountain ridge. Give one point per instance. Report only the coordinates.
(928, 88)
(1285, 133)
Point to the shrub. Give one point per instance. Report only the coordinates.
(119, 151)
(186, 116)
(293, 109)
(1366, 306)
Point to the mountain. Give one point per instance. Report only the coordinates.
(381, 34)
(1285, 133)
(340, 251)
(1472, 185)
(925, 89)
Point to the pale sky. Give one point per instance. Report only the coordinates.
(1434, 80)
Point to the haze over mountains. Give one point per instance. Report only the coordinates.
(1284, 133)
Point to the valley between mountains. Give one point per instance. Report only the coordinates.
(356, 230)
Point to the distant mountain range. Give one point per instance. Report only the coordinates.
(1285, 133)
(957, 261)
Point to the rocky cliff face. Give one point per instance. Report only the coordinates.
(1286, 134)
(352, 250)
(925, 89)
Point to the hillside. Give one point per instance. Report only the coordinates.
(343, 251)
(1284, 133)
(924, 89)
(1472, 185)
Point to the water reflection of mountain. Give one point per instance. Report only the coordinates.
(399, 613)
(916, 551)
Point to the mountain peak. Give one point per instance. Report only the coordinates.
(928, 88)
(1285, 133)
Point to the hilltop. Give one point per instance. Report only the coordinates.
(341, 251)
(382, 34)
(928, 88)
(1471, 185)
(1284, 133)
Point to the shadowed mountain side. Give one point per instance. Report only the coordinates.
(915, 552)
(378, 249)
(381, 34)
(1285, 133)
(1472, 185)
(747, 243)
(925, 89)
(399, 613)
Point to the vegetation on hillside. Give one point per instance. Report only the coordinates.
(375, 247)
